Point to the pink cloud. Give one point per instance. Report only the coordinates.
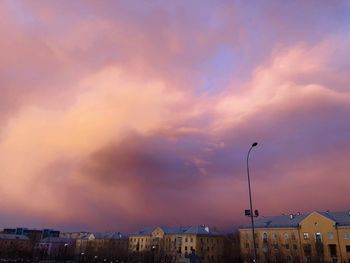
(106, 125)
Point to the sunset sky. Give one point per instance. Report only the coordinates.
(121, 114)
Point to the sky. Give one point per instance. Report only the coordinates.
(117, 115)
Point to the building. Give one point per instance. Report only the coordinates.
(232, 247)
(171, 244)
(109, 246)
(55, 248)
(33, 234)
(15, 246)
(74, 235)
(310, 237)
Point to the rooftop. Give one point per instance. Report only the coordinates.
(293, 220)
(180, 230)
(13, 237)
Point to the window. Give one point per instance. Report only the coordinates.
(185, 248)
(306, 235)
(274, 236)
(295, 247)
(186, 240)
(265, 236)
(307, 249)
(275, 246)
(318, 236)
(286, 236)
(330, 235)
(347, 248)
(286, 246)
(346, 235)
(191, 239)
(246, 245)
(293, 236)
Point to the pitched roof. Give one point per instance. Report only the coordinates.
(103, 235)
(286, 221)
(109, 235)
(145, 231)
(13, 237)
(74, 235)
(57, 240)
(278, 221)
(202, 230)
(176, 230)
(341, 218)
(180, 230)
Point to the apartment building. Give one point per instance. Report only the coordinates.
(14, 246)
(171, 244)
(34, 235)
(309, 237)
(55, 248)
(109, 246)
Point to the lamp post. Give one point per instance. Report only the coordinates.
(250, 201)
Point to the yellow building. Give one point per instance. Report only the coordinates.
(175, 243)
(310, 237)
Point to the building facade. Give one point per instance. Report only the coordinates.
(310, 237)
(172, 244)
(106, 247)
(55, 248)
(35, 235)
(15, 246)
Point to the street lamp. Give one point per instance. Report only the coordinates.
(250, 201)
